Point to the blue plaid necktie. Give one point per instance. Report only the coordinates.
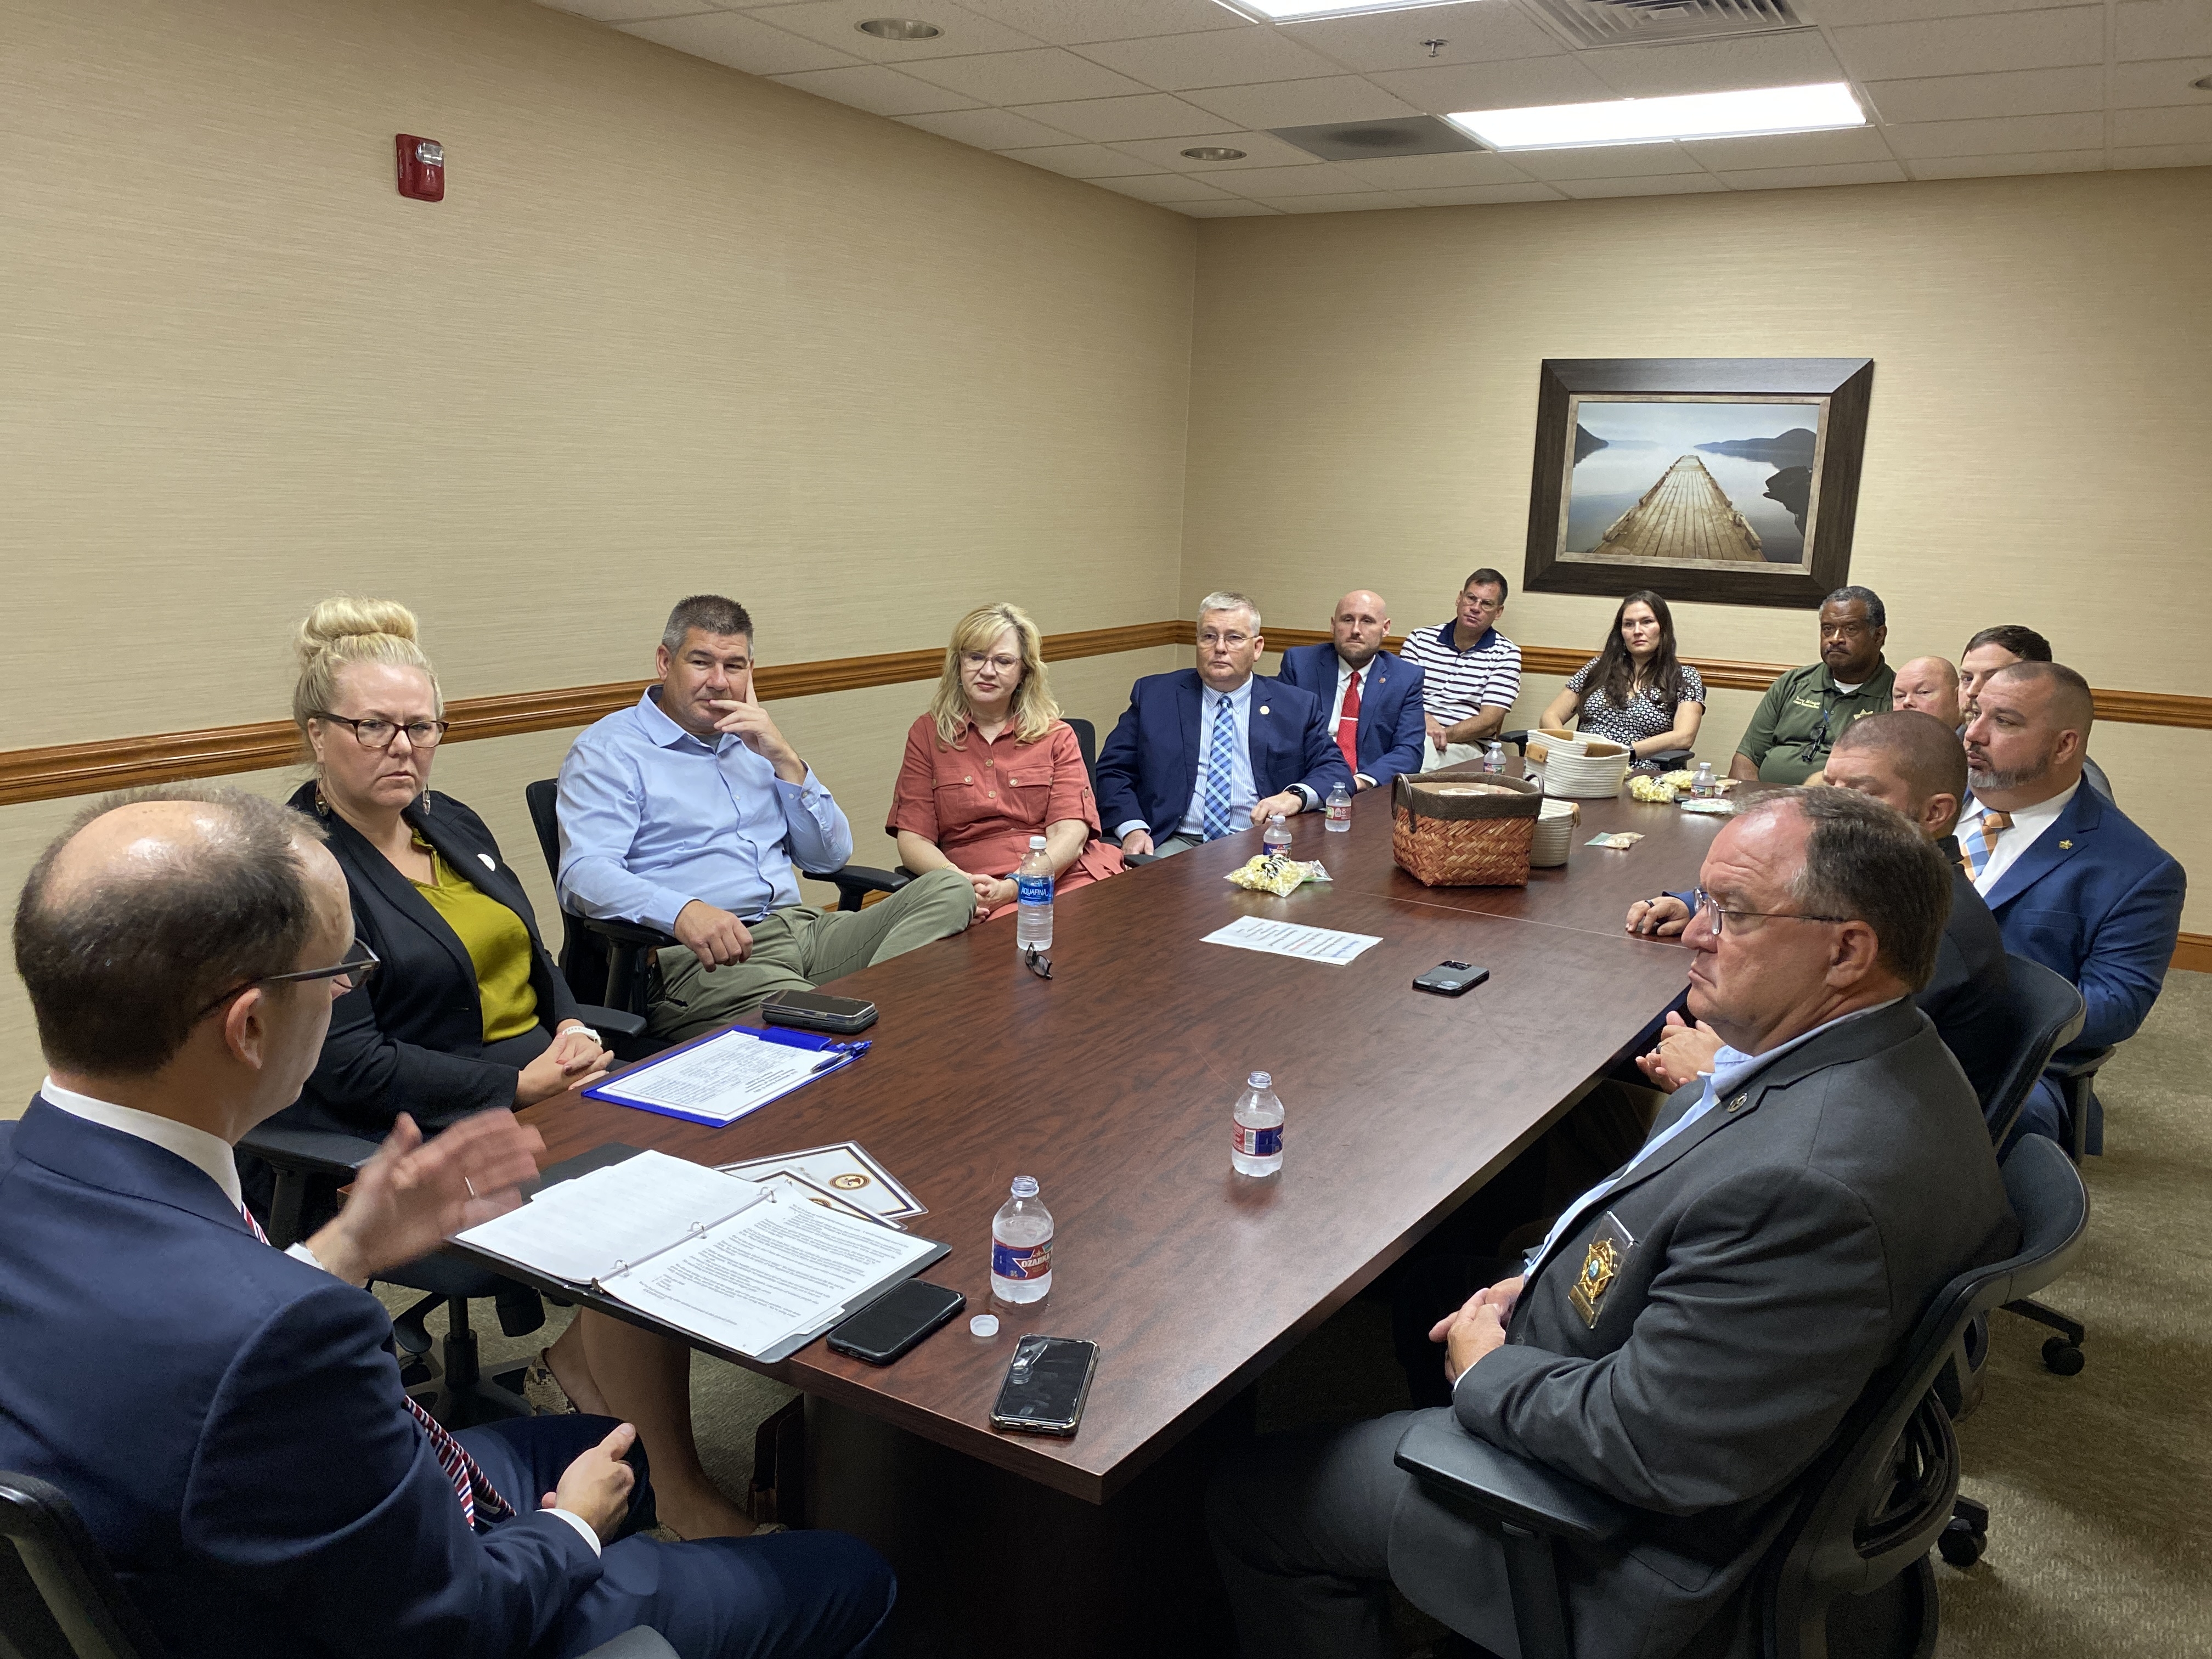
(1214, 823)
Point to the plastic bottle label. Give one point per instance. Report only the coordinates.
(1019, 1261)
(1258, 1143)
(1034, 889)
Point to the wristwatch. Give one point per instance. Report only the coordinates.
(597, 1040)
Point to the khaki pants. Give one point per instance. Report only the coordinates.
(797, 948)
(1452, 754)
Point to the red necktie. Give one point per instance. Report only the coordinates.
(470, 1483)
(1347, 723)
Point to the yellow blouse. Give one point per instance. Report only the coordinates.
(497, 942)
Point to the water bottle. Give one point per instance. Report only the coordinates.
(1494, 757)
(1701, 786)
(1276, 838)
(1338, 807)
(1258, 1147)
(1033, 906)
(1021, 1246)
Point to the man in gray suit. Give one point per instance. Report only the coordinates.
(1696, 1325)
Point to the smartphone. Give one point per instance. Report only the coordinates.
(1449, 979)
(896, 1320)
(1045, 1385)
(810, 1011)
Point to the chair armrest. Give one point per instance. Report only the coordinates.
(611, 1021)
(855, 879)
(316, 1151)
(1135, 860)
(626, 932)
(1668, 759)
(1518, 739)
(1439, 1453)
(2081, 1067)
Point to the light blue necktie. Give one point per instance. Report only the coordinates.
(1214, 822)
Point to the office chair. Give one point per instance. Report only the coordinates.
(60, 1600)
(1849, 1574)
(1086, 739)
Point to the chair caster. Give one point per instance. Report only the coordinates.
(2063, 1356)
(1967, 1535)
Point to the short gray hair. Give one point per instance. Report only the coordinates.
(1864, 862)
(709, 613)
(1229, 599)
(1877, 613)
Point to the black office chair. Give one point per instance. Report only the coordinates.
(59, 1598)
(1850, 1573)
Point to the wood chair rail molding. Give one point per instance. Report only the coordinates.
(90, 769)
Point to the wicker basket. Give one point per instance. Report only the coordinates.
(1464, 832)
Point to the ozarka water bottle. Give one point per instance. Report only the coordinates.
(1033, 906)
(1338, 807)
(1276, 837)
(1258, 1148)
(1021, 1246)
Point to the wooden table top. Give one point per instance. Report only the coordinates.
(1113, 1083)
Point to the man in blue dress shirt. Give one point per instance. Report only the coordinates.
(686, 813)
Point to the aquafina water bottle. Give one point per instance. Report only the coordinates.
(1033, 905)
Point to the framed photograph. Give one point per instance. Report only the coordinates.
(1732, 480)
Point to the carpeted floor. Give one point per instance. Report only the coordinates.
(2100, 1485)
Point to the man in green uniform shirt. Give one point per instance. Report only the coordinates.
(1799, 719)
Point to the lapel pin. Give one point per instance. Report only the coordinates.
(2065, 845)
(1737, 1103)
(1263, 708)
(489, 862)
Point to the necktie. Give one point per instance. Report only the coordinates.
(470, 1483)
(1347, 723)
(1978, 843)
(1213, 822)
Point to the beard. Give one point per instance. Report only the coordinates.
(1982, 781)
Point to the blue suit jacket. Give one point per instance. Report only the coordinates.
(2099, 901)
(1149, 766)
(227, 1421)
(1393, 735)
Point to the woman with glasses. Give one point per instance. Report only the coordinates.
(1635, 691)
(991, 764)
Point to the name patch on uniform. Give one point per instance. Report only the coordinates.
(1601, 1265)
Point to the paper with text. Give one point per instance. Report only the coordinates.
(1291, 938)
(585, 1228)
(724, 1078)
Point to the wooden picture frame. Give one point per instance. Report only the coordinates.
(1698, 500)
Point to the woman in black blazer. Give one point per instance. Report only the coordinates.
(467, 1012)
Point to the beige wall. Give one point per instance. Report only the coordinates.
(1365, 387)
(672, 328)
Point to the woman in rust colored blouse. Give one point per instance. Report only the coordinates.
(991, 764)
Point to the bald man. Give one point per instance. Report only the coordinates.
(1373, 697)
(1929, 684)
(227, 1418)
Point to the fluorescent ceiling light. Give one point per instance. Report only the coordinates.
(1652, 120)
(1297, 12)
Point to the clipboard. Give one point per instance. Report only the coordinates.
(838, 1054)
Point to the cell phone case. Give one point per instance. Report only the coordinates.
(1045, 1367)
(778, 1012)
(942, 1316)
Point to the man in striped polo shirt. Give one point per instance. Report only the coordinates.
(1473, 673)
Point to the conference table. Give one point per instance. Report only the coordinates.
(1112, 1082)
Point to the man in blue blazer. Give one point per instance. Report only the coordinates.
(226, 1418)
(1202, 752)
(1385, 733)
(2073, 882)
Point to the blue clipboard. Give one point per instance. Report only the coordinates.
(837, 1054)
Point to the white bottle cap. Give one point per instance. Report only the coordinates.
(1025, 1187)
(984, 1325)
(1036, 844)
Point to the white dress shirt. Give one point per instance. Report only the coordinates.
(2028, 823)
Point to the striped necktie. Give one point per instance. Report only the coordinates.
(1979, 842)
(1213, 822)
(479, 1498)
(1347, 722)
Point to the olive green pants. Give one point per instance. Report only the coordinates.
(797, 948)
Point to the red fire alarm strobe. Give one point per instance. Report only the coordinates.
(422, 168)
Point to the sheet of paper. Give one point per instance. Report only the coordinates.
(781, 1268)
(847, 1170)
(723, 1078)
(581, 1230)
(1291, 938)
(800, 1186)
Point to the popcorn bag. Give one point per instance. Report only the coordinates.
(1464, 832)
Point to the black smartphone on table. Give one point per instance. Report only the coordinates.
(1449, 979)
(811, 1010)
(1045, 1385)
(896, 1320)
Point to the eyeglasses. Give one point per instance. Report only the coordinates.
(374, 734)
(1214, 636)
(1703, 903)
(977, 660)
(1039, 965)
(1486, 607)
(357, 967)
(1821, 740)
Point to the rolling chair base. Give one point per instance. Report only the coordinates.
(2062, 1352)
(462, 1396)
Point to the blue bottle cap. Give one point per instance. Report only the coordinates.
(1258, 1080)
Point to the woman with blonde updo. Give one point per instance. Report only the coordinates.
(466, 1011)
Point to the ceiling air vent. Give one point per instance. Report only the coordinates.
(1637, 22)
(1366, 141)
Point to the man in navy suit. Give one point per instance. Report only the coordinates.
(1370, 697)
(2072, 881)
(1202, 752)
(227, 1418)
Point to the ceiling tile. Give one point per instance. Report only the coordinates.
(1480, 31)
(2142, 86)
(1077, 161)
(1261, 149)
(1219, 57)
(1046, 75)
(1324, 178)
(879, 90)
(1449, 89)
(1479, 195)
(1797, 58)
(621, 11)
(1851, 173)
(2161, 28)
(1604, 161)
(836, 23)
(989, 129)
(1967, 46)
(2190, 125)
(727, 37)
(1236, 208)
(1790, 150)
(1437, 171)
(1840, 13)
(2162, 156)
(2014, 92)
(1998, 166)
(1300, 103)
(1166, 188)
(1077, 23)
(1995, 137)
(1367, 203)
(1147, 115)
(1672, 183)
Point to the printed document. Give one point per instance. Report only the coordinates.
(722, 1079)
(1291, 938)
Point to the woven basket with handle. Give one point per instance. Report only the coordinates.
(1464, 831)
